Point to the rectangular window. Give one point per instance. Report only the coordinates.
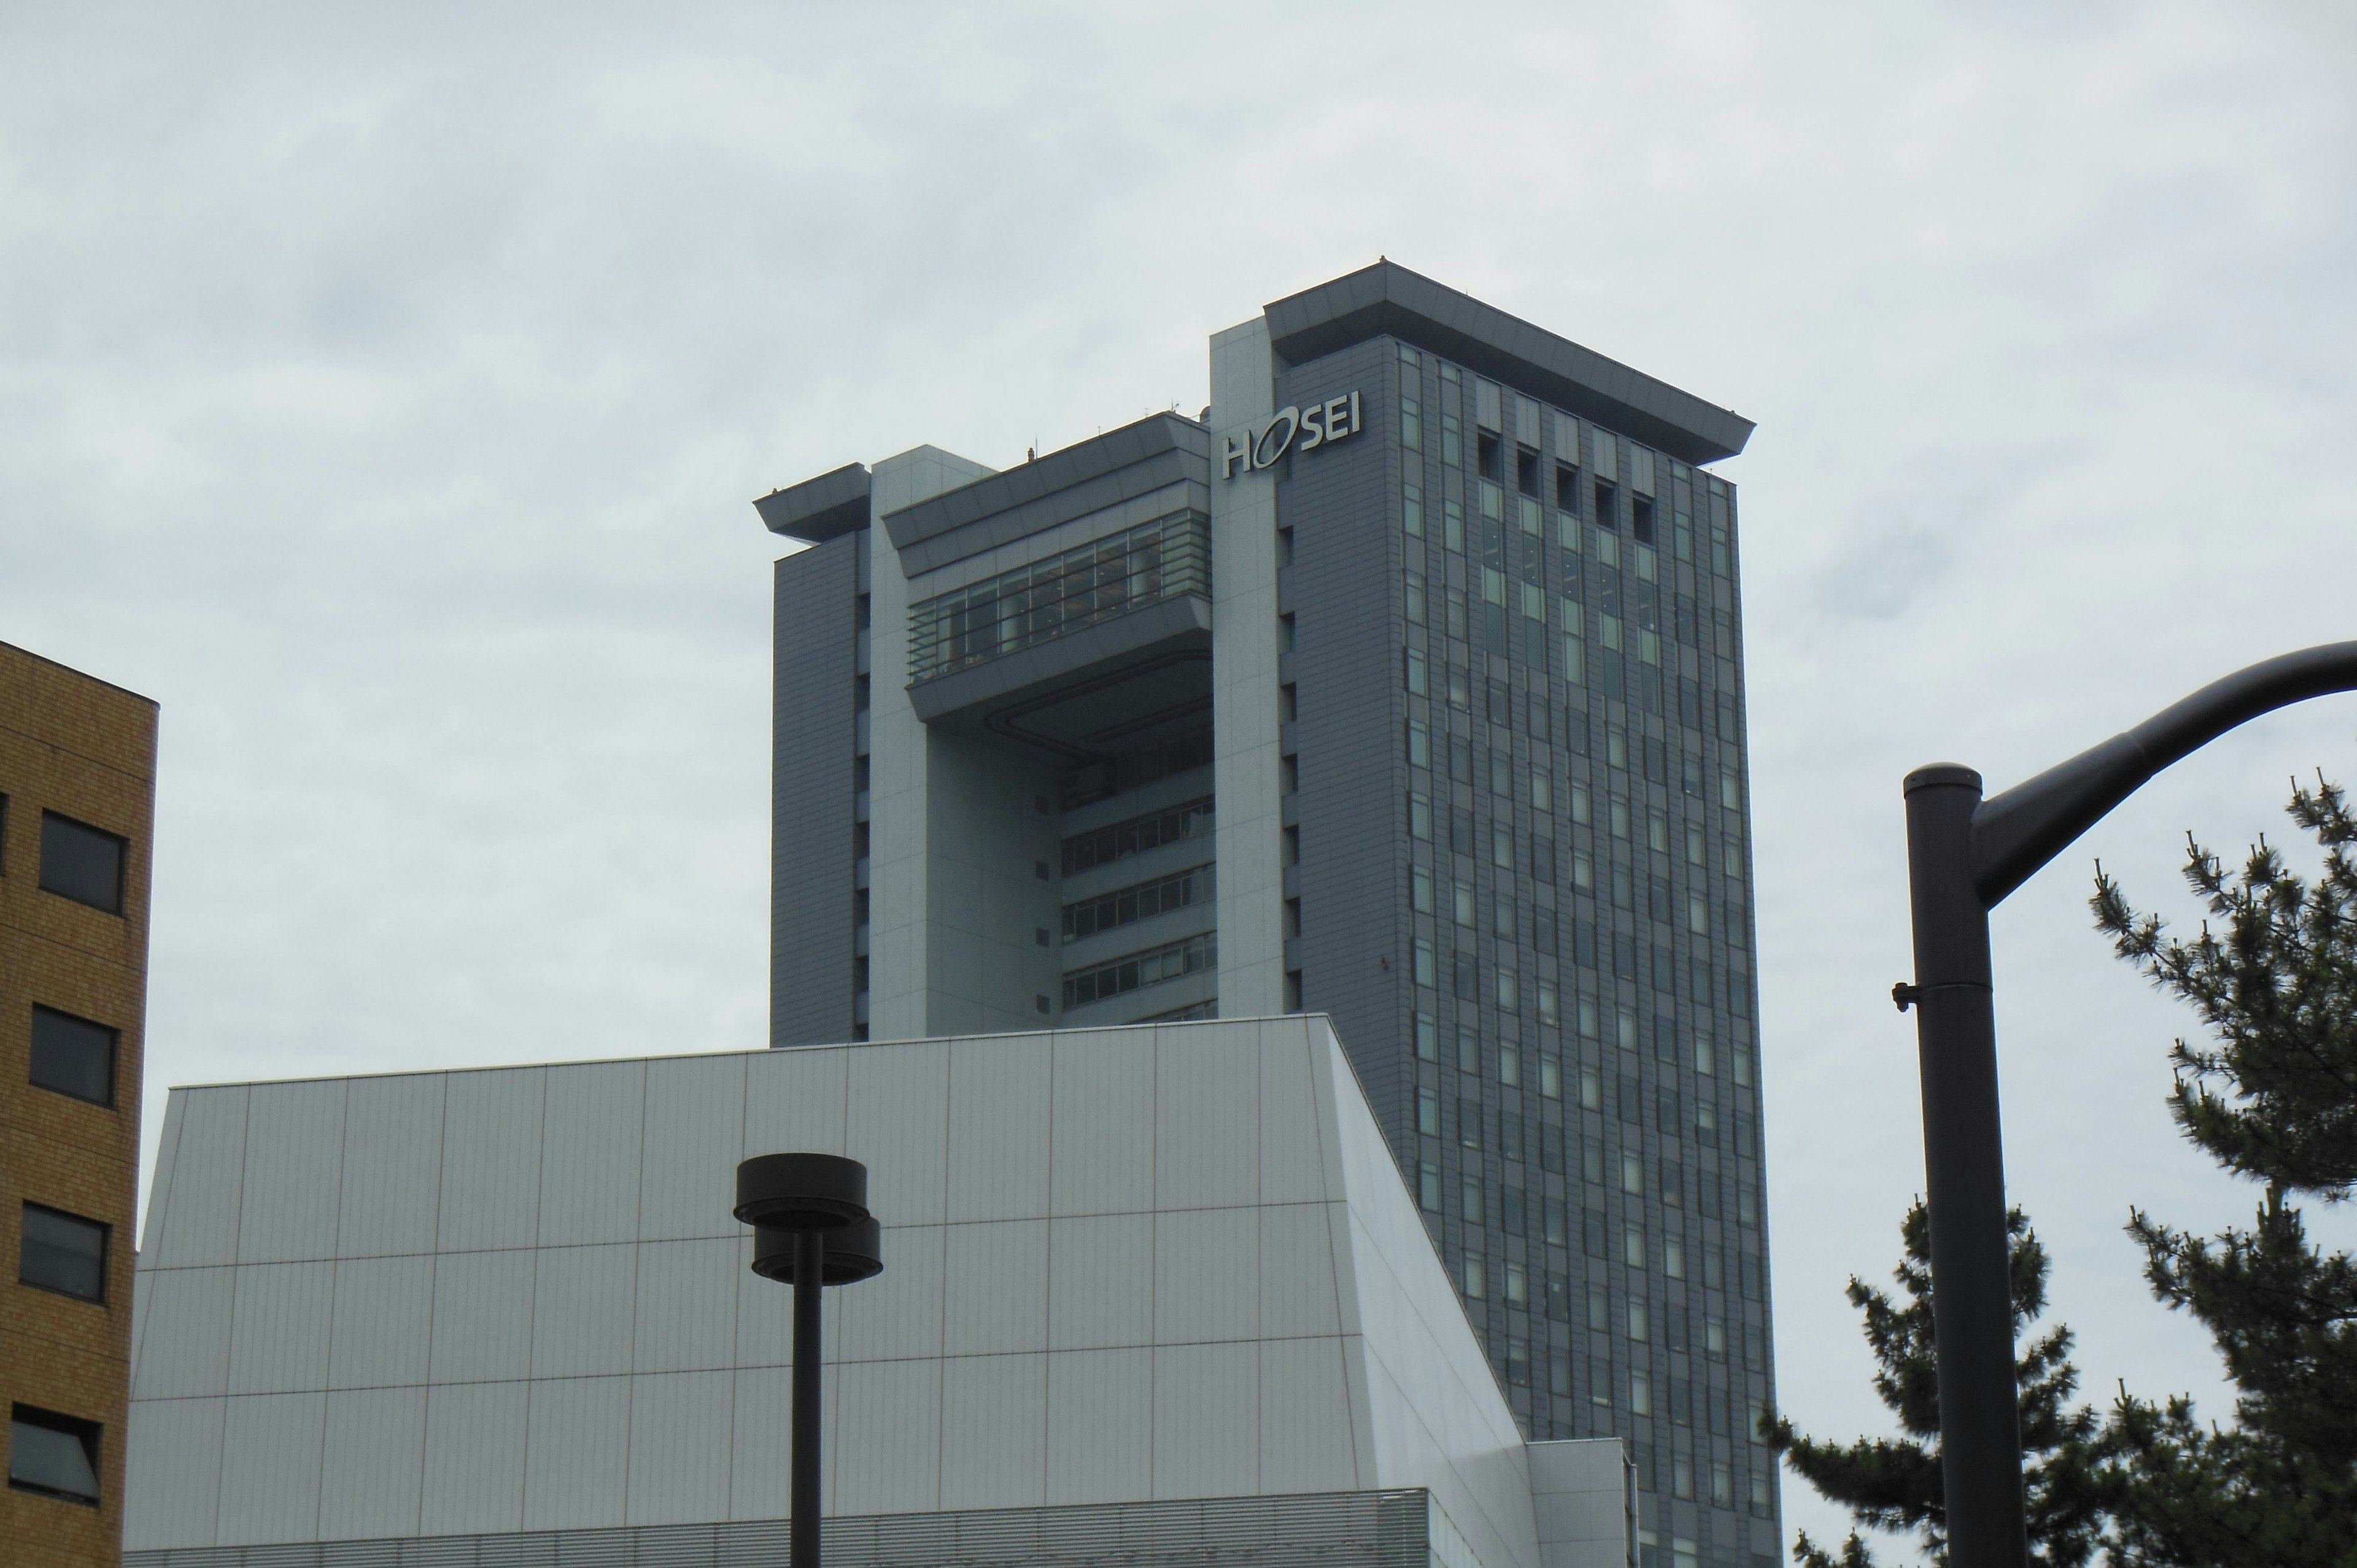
(73, 1056)
(1425, 964)
(1591, 1088)
(1543, 859)
(1427, 1186)
(1418, 683)
(82, 862)
(1502, 846)
(1632, 1246)
(1477, 1277)
(1469, 1194)
(1140, 969)
(1460, 759)
(1502, 773)
(1542, 790)
(1506, 993)
(54, 1454)
(1550, 1009)
(1104, 845)
(1452, 534)
(1428, 1036)
(1641, 1393)
(1141, 901)
(1452, 438)
(1415, 605)
(62, 1252)
(1583, 871)
(1419, 817)
(1411, 422)
(1674, 1257)
(1460, 832)
(1462, 906)
(1419, 889)
(1640, 1322)
(1697, 914)
(1419, 744)
(1427, 1113)
(1633, 1175)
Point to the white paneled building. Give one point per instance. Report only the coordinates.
(1149, 1293)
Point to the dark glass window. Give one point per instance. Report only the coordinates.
(1608, 508)
(1487, 454)
(1526, 470)
(82, 862)
(73, 1056)
(54, 1454)
(1567, 488)
(62, 1252)
(1641, 522)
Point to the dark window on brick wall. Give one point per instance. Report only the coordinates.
(54, 1454)
(62, 1252)
(73, 1056)
(82, 862)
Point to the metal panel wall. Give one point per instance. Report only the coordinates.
(811, 794)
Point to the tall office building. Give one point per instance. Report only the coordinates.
(77, 799)
(1404, 686)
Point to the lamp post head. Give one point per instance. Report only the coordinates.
(853, 1253)
(801, 1192)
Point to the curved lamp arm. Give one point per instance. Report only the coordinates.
(2019, 830)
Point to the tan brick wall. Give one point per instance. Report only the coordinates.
(80, 746)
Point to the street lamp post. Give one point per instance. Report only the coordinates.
(1964, 854)
(810, 1230)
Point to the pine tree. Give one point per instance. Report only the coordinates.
(1893, 1484)
(2273, 1099)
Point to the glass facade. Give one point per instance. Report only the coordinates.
(1044, 599)
(1584, 1134)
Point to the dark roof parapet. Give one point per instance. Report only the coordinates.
(1388, 298)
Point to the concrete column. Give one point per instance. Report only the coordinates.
(1243, 683)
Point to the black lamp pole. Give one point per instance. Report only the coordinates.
(1964, 855)
(811, 1229)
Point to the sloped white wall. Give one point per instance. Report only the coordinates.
(1145, 1263)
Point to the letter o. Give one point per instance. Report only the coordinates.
(1263, 455)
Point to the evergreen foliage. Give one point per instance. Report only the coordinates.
(1893, 1484)
(2273, 1099)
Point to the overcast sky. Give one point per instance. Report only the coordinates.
(383, 394)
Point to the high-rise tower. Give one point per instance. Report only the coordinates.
(1404, 686)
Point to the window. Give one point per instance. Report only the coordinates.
(1142, 901)
(1419, 744)
(82, 862)
(1501, 916)
(54, 1454)
(62, 1252)
(1121, 840)
(1583, 871)
(1502, 773)
(1464, 904)
(1469, 1193)
(1418, 683)
(1657, 833)
(1633, 1175)
(1149, 967)
(1526, 470)
(1411, 422)
(1488, 454)
(73, 1056)
(1694, 843)
(1427, 1038)
(1591, 1088)
(1607, 506)
(1427, 1186)
(1632, 1248)
(1542, 791)
(1566, 486)
(1425, 964)
(1460, 759)
(1641, 1393)
(1469, 1124)
(1415, 600)
(1620, 817)
(1419, 889)
(1502, 846)
(1477, 1282)
(1427, 1113)
(1674, 1257)
(1641, 1321)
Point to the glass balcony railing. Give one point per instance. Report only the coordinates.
(1142, 566)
